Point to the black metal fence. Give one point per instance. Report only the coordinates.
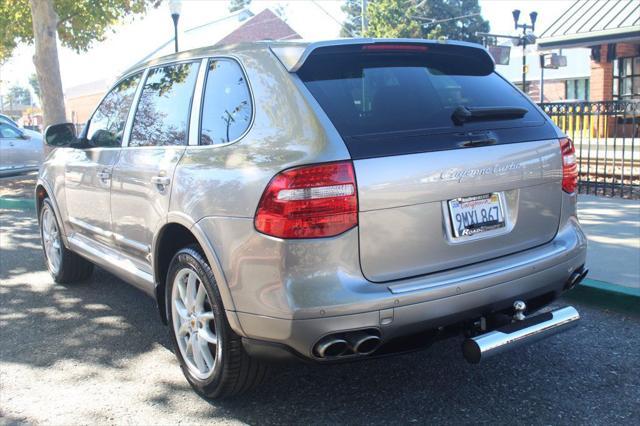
(607, 140)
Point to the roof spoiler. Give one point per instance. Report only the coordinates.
(293, 55)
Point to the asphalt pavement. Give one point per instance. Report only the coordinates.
(96, 353)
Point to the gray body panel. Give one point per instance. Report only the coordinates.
(404, 220)
(296, 291)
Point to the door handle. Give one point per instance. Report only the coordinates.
(161, 182)
(104, 175)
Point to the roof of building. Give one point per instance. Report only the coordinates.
(203, 35)
(266, 25)
(587, 23)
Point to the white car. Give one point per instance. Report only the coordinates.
(20, 150)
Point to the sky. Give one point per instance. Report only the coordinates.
(128, 42)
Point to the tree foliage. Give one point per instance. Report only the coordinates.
(80, 22)
(18, 95)
(415, 19)
(392, 19)
(235, 5)
(352, 26)
(35, 85)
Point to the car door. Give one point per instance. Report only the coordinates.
(11, 148)
(88, 168)
(142, 177)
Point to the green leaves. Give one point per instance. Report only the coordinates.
(392, 19)
(416, 19)
(80, 22)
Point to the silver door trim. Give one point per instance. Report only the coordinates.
(115, 263)
(133, 108)
(143, 248)
(91, 228)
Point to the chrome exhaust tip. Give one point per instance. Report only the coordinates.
(363, 343)
(519, 333)
(576, 278)
(331, 347)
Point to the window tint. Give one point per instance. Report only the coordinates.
(8, 132)
(371, 94)
(226, 111)
(162, 116)
(107, 124)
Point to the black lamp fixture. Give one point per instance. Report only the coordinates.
(525, 38)
(175, 6)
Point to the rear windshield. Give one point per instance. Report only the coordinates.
(373, 93)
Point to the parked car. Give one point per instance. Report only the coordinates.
(30, 132)
(19, 150)
(328, 202)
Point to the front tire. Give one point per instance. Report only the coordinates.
(65, 266)
(211, 355)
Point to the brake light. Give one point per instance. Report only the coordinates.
(309, 202)
(395, 47)
(569, 165)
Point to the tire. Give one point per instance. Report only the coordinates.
(197, 320)
(65, 266)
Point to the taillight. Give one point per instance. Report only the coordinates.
(309, 202)
(569, 165)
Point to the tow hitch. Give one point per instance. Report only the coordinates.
(522, 330)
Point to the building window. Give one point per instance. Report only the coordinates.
(626, 78)
(577, 89)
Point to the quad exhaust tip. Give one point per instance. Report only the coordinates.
(361, 342)
(519, 333)
(331, 347)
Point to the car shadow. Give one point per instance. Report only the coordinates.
(104, 321)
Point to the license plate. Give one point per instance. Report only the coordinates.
(473, 215)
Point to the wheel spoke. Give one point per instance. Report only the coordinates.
(184, 329)
(206, 353)
(206, 334)
(196, 347)
(181, 310)
(201, 295)
(191, 290)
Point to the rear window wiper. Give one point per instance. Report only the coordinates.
(463, 114)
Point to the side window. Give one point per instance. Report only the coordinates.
(8, 132)
(162, 117)
(107, 124)
(226, 110)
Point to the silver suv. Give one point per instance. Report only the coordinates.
(329, 201)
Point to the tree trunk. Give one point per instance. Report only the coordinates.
(45, 22)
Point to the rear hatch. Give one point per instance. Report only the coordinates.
(453, 164)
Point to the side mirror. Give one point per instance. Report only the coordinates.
(24, 136)
(60, 135)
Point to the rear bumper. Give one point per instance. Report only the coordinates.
(438, 300)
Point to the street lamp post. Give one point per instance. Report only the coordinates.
(175, 6)
(523, 40)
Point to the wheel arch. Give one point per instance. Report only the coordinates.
(43, 191)
(177, 233)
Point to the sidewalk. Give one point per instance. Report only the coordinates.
(612, 226)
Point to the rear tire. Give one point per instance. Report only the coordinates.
(65, 266)
(219, 367)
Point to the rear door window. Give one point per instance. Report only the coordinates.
(162, 116)
(227, 108)
(385, 97)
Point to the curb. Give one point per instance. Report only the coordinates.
(17, 203)
(608, 295)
